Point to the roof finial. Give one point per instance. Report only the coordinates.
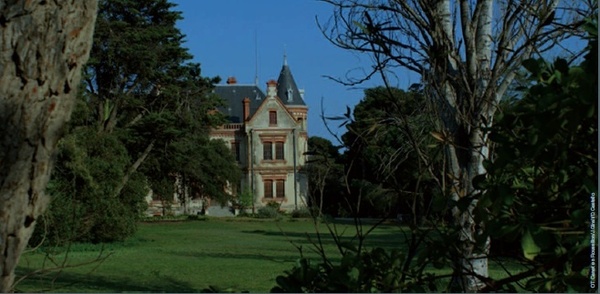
(284, 55)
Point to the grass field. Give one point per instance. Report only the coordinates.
(188, 257)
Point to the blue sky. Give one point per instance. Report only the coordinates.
(221, 36)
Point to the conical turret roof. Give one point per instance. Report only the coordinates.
(287, 90)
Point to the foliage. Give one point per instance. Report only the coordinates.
(466, 73)
(270, 210)
(325, 176)
(373, 271)
(539, 188)
(420, 263)
(84, 208)
(245, 199)
(536, 194)
(141, 123)
(303, 212)
(203, 165)
(385, 142)
(142, 83)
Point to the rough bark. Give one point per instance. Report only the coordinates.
(44, 45)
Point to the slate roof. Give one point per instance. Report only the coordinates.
(287, 91)
(233, 94)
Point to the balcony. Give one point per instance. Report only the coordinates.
(234, 127)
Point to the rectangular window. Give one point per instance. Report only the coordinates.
(280, 189)
(268, 188)
(235, 149)
(273, 118)
(279, 150)
(267, 151)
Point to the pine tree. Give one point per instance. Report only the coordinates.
(143, 120)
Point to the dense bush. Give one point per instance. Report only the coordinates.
(371, 271)
(270, 210)
(84, 206)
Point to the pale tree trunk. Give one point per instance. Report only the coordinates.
(463, 145)
(44, 46)
(477, 33)
(467, 53)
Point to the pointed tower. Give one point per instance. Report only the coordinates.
(290, 95)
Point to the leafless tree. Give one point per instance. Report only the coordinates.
(44, 45)
(467, 53)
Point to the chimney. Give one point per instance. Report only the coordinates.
(231, 81)
(271, 88)
(246, 113)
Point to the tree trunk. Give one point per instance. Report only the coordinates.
(466, 70)
(473, 261)
(133, 168)
(44, 46)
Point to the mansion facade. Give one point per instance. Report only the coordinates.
(268, 135)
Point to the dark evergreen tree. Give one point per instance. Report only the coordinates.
(325, 171)
(385, 174)
(143, 120)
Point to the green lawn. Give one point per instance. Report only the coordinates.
(189, 256)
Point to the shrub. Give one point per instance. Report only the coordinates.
(371, 271)
(302, 213)
(269, 211)
(85, 206)
(245, 199)
(274, 205)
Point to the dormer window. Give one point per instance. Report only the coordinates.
(290, 94)
(256, 94)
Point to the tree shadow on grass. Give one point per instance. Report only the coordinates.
(388, 240)
(75, 282)
(238, 256)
